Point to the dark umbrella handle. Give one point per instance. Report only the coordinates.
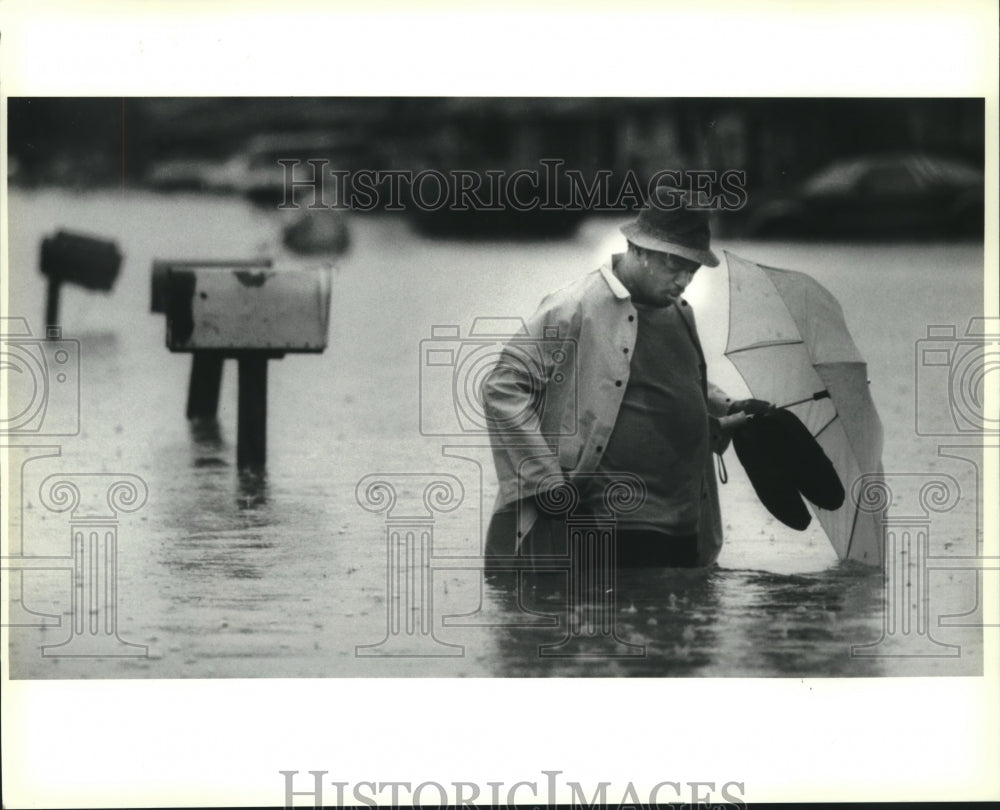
(818, 395)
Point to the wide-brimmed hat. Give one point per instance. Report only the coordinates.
(673, 228)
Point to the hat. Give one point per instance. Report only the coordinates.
(676, 228)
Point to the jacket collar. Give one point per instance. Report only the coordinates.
(612, 280)
(620, 290)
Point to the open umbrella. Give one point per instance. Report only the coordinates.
(788, 339)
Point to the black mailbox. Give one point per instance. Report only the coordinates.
(78, 259)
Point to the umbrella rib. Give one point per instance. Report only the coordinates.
(818, 432)
(850, 540)
(729, 352)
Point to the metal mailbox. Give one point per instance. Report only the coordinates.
(236, 310)
(162, 268)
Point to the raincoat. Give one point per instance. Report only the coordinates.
(552, 401)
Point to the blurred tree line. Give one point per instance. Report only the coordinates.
(87, 142)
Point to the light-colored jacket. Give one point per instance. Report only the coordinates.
(553, 399)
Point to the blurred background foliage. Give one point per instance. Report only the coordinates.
(779, 142)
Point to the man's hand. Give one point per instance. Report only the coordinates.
(751, 407)
(719, 436)
(722, 428)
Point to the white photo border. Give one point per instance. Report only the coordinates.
(203, 743)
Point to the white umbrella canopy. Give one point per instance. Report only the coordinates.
(789, 341)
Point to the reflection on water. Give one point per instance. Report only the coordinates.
(206, 438)
(713, 622)
(223, 526)
(253, 490)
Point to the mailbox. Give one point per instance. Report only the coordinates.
(162, 267)
(247, 309)
(84, 260)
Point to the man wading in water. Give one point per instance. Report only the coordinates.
(612, 378)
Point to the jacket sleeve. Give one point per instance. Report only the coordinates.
(514, 399)
(718, 401)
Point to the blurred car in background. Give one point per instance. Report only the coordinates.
(254, 171)
(879, 196)
(182, 174)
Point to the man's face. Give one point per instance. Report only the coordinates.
(659, 278)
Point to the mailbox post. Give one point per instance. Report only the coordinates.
(203, 388)
(250, 312)
(206, 367)
(78, 259)
(251, 419)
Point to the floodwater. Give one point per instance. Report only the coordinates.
(287, 573)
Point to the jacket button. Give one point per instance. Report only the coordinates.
(625, 350)
(600, 448)
(631, 317)
(618, 383)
